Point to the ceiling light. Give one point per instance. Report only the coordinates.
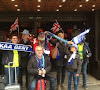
(60, 5)
(39, 0)
(57, 10)
(16, 5)
(63, 0)
(18, 9)
(93, 5)
(38, 10)
(75, 10)
(12, 0)
(92, 9)
(38, 6)
(87, 0)
(80, 5)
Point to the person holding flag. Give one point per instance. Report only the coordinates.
(85, 53)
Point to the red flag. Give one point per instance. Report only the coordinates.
(56, 27)
(14, 26)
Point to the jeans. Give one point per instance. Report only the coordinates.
(84, 73)
(12, 74)
(59, 71)
(70, 74)
(50, 79)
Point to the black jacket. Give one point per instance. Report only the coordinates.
(24, 55)
(7, 56)
(86, 51)
(62, 50)
(33, 70)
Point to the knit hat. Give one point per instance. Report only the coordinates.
(25, 32)
(75, 45)
(40, 30)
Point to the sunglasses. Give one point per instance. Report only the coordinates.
(42, 33)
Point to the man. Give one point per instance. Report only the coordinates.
(61, 61)
(11, 56)
(34, 68)
(85, 53)
(25, 56)
(42, 41)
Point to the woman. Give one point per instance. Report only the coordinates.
(11, 56)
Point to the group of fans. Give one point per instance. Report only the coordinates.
(68, 57)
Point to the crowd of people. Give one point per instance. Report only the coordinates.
(70, 58)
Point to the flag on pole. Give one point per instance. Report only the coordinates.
(56, 27)
(14, 26)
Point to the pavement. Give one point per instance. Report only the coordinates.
(92, 83)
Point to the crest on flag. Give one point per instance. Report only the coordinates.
(56, 27)
(14, 26)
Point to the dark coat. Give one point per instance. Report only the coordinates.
(62, 50)
(7, 56)
(24, 55)
(33, 70)
(86, 51)
(76, 64)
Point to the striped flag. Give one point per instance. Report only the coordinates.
(56, 27)
(14, 26)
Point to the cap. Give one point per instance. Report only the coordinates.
(75, 45)
(25, 32)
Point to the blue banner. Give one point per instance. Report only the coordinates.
(18, 47)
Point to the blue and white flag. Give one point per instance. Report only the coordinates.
(80, 37)
(18, 47)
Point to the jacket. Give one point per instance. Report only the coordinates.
(24, 55)
(7, 56)
(76, 64)
(33, 70)
(86, 51)
(36, 42)
(62, 51)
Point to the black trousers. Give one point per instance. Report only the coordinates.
(23, 71)
(61, 70)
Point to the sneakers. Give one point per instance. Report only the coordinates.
(58, 87)
(85, 87)
(63, 87)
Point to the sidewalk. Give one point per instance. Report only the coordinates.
(92, 83)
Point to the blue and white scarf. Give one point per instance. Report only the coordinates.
(40, 62)
(18, 47)
(71, 59)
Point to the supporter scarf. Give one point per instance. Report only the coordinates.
(71, 59)
(40, 64)
(55, 36)
(18, 47)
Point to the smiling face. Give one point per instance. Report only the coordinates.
(14, 39)
(61, 35)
